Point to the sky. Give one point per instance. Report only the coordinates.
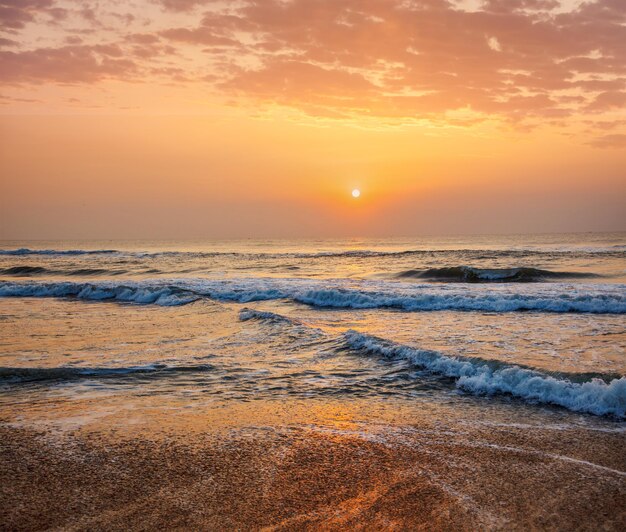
(180, 119)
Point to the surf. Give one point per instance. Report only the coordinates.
(477, 377)
(339, 294)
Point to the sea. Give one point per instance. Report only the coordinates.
(493, 328)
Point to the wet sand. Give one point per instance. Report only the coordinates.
(299, 477)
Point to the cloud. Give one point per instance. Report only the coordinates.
(614, 140)
(514, 60)
(202, 35)
(181, 5)
(7, 42)
(67, 64)
(608, 100)
(423, 57)
(16, 14)
(6, 99)
(494, 44)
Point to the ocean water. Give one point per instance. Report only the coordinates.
(499, 328)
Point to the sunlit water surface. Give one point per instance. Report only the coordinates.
(490, 329)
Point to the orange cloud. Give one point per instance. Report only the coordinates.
(520, 61)
(616, 140)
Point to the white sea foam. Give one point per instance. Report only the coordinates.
(477, 377)
(557, 297)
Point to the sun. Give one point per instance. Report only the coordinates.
(356, 193)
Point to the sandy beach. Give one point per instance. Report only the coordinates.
(312, 477)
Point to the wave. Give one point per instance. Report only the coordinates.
(248, 314)
(28, 271)
(557, 297)
(300, 331)
(24, 270)
(65, 373)
(479, 378)
(615, 251)
(157, 295)
(468, 274)
(27, 251)
(86, 272)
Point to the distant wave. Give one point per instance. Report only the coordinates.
(341, 294)
(26, 251)
(93, 271)
(23, 375)
(468, 274)
(479, 378)
(28, 271)
(468, 253)
(24, 270)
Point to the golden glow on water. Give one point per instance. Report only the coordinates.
(97, 358)
(281, 384)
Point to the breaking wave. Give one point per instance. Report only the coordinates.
(338, 294)
(141, 294)
(479, 378)
(468, 274)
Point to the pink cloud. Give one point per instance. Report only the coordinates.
(609, 100)
(68, 64)
(181, 5)
(15, 14)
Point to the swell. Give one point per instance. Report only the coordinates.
(248, 314)
(24, 270)
(613, 251)
(27, 251)
(298, 331)
(479, 378)
(13, 375)
(469, 274)
(597, 299)
(29, 271)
